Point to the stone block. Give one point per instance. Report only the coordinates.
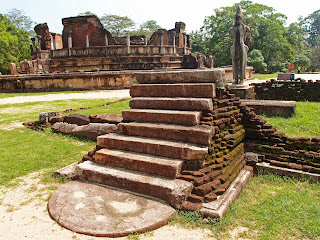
(166, 148)
(77, 118)
(93, 130)
(202, 90)
(156, 165)
(173, 192)
(62, 127)
(106, 118)
(243, 91)
(271, 107)
(162, 116)
(195, 134)
(188, 104)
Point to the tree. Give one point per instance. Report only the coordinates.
(147, 28)
(312, 25)
(256, 59)
(20, 20)
(117, 25)
(14, 44)
(268, 34)
(301, 61)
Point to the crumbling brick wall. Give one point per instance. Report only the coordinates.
(276, 148)
(213, 176)
(288, 90)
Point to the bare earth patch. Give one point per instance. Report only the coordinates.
(11, 126)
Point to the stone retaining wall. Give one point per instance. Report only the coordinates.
(288, 90)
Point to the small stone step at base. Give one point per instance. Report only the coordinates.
(268, 168)
(219, 207)
(173, 192)
(156, 165)
(158, 147)
(190, 90)
(271, 107)
(162, 116)
(200, 134)
(188, 104)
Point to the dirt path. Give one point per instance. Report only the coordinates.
(107, 94)
(24, 215)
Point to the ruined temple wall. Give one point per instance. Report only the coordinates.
(79, 27)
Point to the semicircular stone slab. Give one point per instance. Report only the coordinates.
(105, 212)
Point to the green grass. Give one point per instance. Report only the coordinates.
(7, 95)
(23, 151)
(270, 207)
(304, 123)
(265, 76)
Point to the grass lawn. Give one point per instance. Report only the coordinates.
(265, 76)
(6, 95)
(270, 207)
(305, 122)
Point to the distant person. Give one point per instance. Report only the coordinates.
(299, 69)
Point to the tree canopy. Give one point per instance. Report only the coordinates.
(117, 25)
(276, 42)
(14, 44)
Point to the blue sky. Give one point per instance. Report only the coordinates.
(165, 12)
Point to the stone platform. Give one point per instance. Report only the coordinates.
(271, 107)
(106, 212)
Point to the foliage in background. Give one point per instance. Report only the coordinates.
(301, 61)
(256, 59)
(312, 25)
(278, 44)
(20, 20)
(14, 44)
(147, 28)
(118, 25)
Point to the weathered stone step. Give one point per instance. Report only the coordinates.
(162, 116)
(165, 148)
(191, 90)
(157, 165)
(200, 134)
(172, 191)
(188, 104)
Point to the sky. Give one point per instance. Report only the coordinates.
(165, 12)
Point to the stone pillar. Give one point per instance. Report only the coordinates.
(184, 44)
(128, 44)
(161, 42)
(210, 62)
(106, 40)
(145, 44)
(34, 48)
(54, 43)
(188, 41)
(69, 43)
(174, 42)
(13, 69)
(87, 41)
(39, 41)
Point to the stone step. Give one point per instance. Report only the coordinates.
(162, 116)
(157, 165)
(188, 104)
(172, 191)
(190, 90)
(158, 147)
(200, 134)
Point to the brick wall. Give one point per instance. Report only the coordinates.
(213, 176)
(288, 90)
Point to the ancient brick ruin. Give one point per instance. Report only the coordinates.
(85, 45)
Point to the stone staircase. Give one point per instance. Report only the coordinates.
(159, 136)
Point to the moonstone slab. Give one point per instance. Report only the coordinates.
(105, 212)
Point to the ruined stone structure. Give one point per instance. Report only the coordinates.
(85, 45)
